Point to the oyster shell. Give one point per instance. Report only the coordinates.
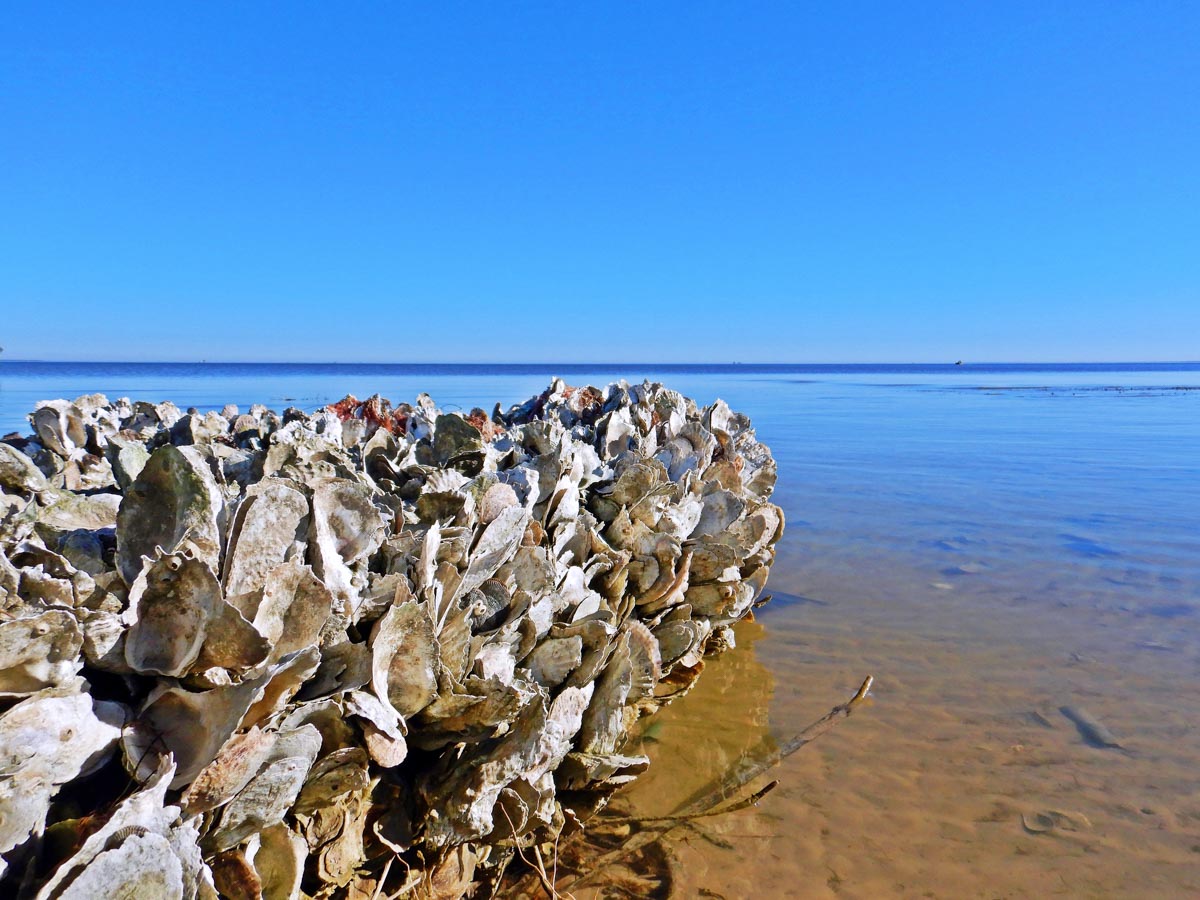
(346, 528)
(189, 726)
(171, 602)
(46, 741)
(18, 474)
(271, 522)
(266, 799)
(38, 652)
(368, 635)
(405, 659)
(169, 865)
(174, 503)
(278, 861)
(142, 865)
(294, 609)
(231, 770)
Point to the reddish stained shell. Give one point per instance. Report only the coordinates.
(346, 408)
(484, 425)
(400, 416)
(375, 410)
(589, 403)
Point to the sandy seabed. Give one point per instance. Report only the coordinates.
(928, 791)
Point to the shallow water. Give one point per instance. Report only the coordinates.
(992, 543)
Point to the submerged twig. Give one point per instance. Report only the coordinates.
(752, 764)
(736, 806)
(705, 801)
(538, 867)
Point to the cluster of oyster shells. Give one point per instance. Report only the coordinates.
(367, 650)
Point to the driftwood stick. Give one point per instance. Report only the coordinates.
(748, 768)
(745, 802)
(763, 757)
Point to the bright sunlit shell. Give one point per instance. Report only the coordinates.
(174, 503)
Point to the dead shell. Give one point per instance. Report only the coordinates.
(190, 726)
(405, 659)
(174, 503)
(46, 741)
(172, 601)
(265, 800)
(346, 527)
(18, 474)
(63, 511)
(294, 609)
(383, 730)
(279, 862)
(230, 771)
(271, 521)
(143, 865)
(38, 652)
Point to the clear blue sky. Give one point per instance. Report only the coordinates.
(601, 182)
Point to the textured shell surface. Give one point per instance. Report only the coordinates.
(47, 740)
(18, 472)
(361, 651)
(39, 651)
(271, 520)
(405, 659)
(173, 503)
(171, 604)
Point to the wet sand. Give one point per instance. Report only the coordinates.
(928, 790)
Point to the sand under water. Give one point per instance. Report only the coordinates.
(961, 778)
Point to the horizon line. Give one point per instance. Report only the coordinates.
(607, 364)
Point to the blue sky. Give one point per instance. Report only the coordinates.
(601, 182)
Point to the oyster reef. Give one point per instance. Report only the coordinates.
(368, 651)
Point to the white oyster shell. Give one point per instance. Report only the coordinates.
(405, 659)
(46, 741)
(38, 652)
(271, 522)
(174, 503)
(18, 473)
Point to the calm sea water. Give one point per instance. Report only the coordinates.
(1081, 482)
(992, 541)
(1022, 474)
